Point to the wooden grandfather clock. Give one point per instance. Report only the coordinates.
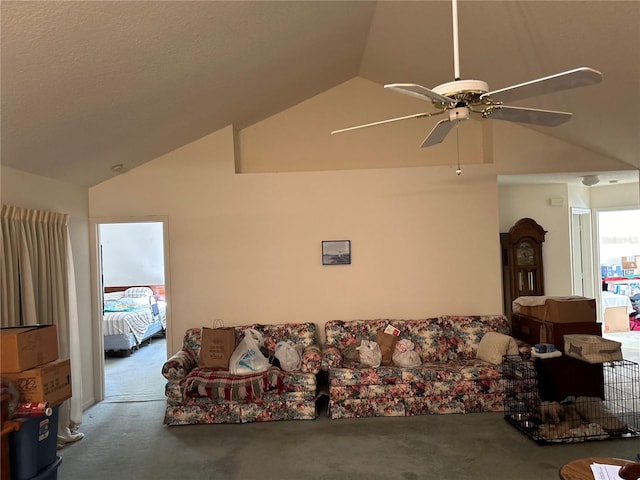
(522, 272)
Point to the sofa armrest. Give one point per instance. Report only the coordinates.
(179, 365)
(331, 357)
(311, 359)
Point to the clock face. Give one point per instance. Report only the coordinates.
(524, 254)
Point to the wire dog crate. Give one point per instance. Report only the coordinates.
(575, 418)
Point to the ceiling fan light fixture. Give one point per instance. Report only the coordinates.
(590, 180)
(459, 114)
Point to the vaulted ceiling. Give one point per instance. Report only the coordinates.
(88, 85)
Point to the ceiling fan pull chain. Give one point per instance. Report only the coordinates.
(456, 53)
(458, 170)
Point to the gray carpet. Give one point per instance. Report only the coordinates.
(125, 439)
(136, 378)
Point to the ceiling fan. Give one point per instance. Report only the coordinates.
(461, 98)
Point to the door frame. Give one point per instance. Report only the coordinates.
(97, 289)
(582, 257)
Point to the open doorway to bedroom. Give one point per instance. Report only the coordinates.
(132, 268)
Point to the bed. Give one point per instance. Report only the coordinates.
(131, 317)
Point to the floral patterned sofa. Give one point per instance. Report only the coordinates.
(451, 378)
(196, 395)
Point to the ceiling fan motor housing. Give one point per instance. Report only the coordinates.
(461, 87)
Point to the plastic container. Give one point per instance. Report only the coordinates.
(33, 447)
(50, 472)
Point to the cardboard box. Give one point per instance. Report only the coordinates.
(629, 262)
(50, 383)
(563, 310)
(27, 346)
(616, 319)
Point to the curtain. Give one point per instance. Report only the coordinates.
(38, 287)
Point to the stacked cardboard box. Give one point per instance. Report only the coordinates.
(29, 360)
(562, 309)
(549, 321)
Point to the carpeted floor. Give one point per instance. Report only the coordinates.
(125, 439)
(136, 378)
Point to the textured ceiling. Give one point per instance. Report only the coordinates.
(87, 85)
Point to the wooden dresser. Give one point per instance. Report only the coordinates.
(533, 330)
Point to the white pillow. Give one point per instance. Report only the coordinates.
(494, 345)
(113, 296)
(134, 292)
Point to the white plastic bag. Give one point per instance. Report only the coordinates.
(289, 355)
(404, 354)
(370, 354)
(247, 358)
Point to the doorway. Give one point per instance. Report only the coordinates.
(618, 248)
(130, 253)
(581, 250)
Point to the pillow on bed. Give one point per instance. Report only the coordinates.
(135, 300)
(137, 292)
(494, 345)
(113, 296)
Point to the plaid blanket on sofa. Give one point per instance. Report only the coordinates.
(222, 385)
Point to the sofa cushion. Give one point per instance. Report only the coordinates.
(427, 334)
(464, 333)
(298, 333)
(365, 376)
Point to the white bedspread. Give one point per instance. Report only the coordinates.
(614, 300)
(136, 322)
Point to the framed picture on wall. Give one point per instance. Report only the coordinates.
(336, 252)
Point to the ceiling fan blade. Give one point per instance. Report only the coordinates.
(575, 78)
(382, 122)
(547, 118)
(437, 134)
(418, 91)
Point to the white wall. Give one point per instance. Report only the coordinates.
(132, 254)
(533, 201)
(616, 196)
(32, 191)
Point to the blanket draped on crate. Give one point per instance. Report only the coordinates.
(222, 385)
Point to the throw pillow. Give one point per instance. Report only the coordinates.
(494, 345)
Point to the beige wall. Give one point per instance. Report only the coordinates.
(246, 247)
(32, 191)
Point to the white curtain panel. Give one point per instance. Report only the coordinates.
(38, 286)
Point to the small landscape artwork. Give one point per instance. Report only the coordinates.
(336, 252)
